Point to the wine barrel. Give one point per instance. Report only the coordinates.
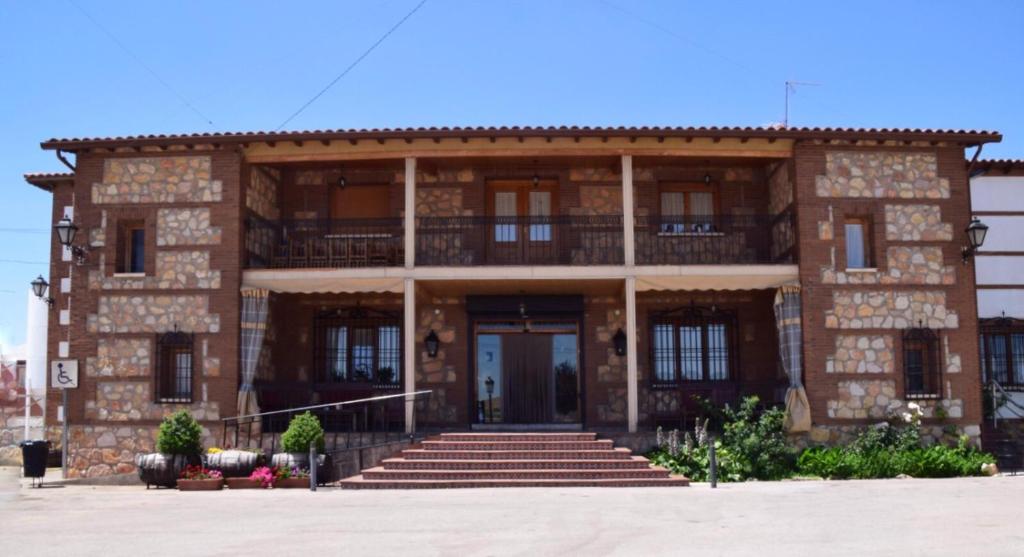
(324, 467)
(161, 469)
(234, 464)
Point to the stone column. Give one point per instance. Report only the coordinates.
(409, 351)
(410, 212)
(632, 405)
(627, 210)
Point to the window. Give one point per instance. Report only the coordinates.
(356, 345)
(687, 208)
(522, 208)
(921, 363)
(858, 244)
(693, 344)
(131, 244)
(174, 367)
(1002, 352)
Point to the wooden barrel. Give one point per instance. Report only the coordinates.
(161, 469)
(233, 464)
(324, 467)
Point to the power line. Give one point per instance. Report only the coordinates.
(145, 66)
(23, 262)
(24, 230)
(353, 64)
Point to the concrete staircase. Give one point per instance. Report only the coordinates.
(513, 460)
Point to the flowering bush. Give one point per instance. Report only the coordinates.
(283, 473)
(214, 450)
(264, 475)
(200, 473)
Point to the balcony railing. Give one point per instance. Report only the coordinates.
(709, 240)
(556, 240)
(324, 243)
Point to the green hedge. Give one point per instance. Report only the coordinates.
(935, 461)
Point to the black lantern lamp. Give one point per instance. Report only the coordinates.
(39, 287)
(707, 179)
(66, 233)
(489, 385)
(619, 340)
(976, 232)
(432, 343)
(342, 182)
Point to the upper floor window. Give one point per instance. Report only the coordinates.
(131, 247)
(692, 344)
(359, 345)
(174, 367)
(687, 208)
(921, 363)
(858, 243)
(1002, 352)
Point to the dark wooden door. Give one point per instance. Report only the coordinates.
(527, 373)
(522, 231)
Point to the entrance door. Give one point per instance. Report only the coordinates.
(522, 230)
(527, 372)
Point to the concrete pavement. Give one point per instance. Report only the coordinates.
(974, 516)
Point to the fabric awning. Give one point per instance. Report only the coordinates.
(305, 281)
(716, 277)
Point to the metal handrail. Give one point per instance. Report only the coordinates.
(336, 405)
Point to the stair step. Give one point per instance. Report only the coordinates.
(522, 454)
(636, 462)
(524, 444)
(499, 436)
(380, 473)
(359, 482)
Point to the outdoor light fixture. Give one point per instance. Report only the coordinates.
(432, 343)
(66, 233)
(39, 287)
(536, 180)
(619, 340)
(342, 182)
(976, 232)
(707, 179)
(489, 385)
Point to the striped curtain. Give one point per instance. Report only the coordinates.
(255, 303)
(787, 320)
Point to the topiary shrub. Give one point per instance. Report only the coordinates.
(303, 430)
(179, 434)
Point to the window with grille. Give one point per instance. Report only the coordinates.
(357, 345)
(174, 367)
(921, 374)
(693, 344)
(1002, 352)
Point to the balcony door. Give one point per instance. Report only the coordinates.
(360, 202)
(522, 230)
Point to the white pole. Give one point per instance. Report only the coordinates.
(410, 212)
(627, 210)
(28, 399)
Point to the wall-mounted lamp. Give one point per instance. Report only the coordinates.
(342, 182)
(707, 179)
(432, 343)
(976, 232)
(489, 386)
(39, 287)
(66, 233)
(619, 340)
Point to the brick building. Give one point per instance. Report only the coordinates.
(550, 304)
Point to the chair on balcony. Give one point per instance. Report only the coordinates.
(337, 251)
(379, 251)
(298, 253)
(318, 252)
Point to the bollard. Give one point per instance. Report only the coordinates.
(712, 462)
(314, 461)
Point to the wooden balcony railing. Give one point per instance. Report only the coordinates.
(556, 240)
(324, 243)
(709, 240)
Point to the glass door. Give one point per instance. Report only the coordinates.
(522, 230)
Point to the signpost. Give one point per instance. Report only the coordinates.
(64, 376)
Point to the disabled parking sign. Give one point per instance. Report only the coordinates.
(64, 374)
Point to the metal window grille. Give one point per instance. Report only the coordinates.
(921, 370)
(1002, 351)
(693, 344)
(358, 345)
(174, 367)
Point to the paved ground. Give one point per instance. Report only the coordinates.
(978, 516)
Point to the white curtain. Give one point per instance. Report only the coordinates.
(540, 210)
(505, 209)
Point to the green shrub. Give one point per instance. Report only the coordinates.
(303, 430)
(179, 434)
(868, 458)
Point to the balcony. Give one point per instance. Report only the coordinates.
(324, 243)
(713, 239)
(555, 240)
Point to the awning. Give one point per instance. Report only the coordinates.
(715, 277)
(333, 281)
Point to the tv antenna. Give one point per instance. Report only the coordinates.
(791, 88)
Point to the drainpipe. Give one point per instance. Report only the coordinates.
(63, 159)
(974, 161)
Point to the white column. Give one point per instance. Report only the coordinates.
(627, 210)
(410, 212)
(632, 407)
(409, 351)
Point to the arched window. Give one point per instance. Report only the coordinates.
(921, 363)
(359, 345)
(174, 365)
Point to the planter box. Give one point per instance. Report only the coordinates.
(243, 483)
(201, 485)
(292, 483)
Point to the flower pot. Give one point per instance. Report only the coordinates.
(213, 484)
(243, 483)
(292, 483)
(324, 467)
(162, 470)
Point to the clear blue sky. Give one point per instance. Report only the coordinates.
(249, 65)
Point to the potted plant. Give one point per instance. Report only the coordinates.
(290, 478)
(198, 478)
(261, 477)
(304, 430)
(177, 446)
(234, 463)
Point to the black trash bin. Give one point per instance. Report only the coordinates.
(33, 458)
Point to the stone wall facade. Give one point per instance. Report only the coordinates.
(261, 195)
(154, 314)
(881, 174)
(186, 227)
(175, 270)
(916, 223)
(157, 180)
(890, 309)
